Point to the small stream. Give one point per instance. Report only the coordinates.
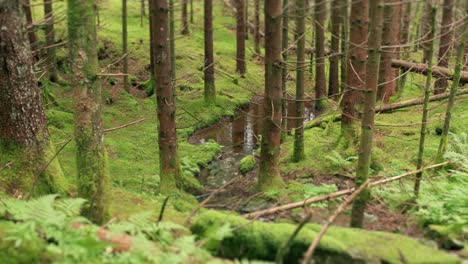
(239, 137)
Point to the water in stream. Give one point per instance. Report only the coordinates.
(239, 137)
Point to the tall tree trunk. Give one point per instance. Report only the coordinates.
(257, 27)
(246, 16)
(425, 31)
(172, 40)
(50, 40)
(453, 89)
(185, 26)
(24, 138)
(355, 65)
(93, 174)
(445, 44)
(210, 92)
(367, 123)
(142, 12)
(406, 32)
(269, 175)
(167, 137)
(30, 25)
(125, 45)
(284, 68)
(191, 12)
(427, 91)
(320, 81)
(390, 37)
(298, 154)
(344, 42)
(240, 36)
(333, 81)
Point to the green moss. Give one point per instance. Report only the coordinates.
(258, 240)
(247, 163)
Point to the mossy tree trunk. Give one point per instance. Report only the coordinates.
(284, 68)
(185, 26)
(320, 81)
(257, 26)
(298, 153)
(269, 175)
(427, 92)
(24, 138)
(344, 42)
(93, 174)
(50, 40)
(172, 40)
(367, 123)
(125, 45)
(240, 37)
(445, 44)
(453, 89)
(355, 66)
(170, 173)
(210, 91)
(333, 77)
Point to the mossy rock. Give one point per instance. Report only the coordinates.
(259, 240)
(247, 164)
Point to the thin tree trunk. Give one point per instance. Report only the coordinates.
(298, 154)
(246, 16)
(240, 34)
(191, 12)
(210, 91)
(269, 175)
(426, 33)
(320, 81)
(50, 40)
(367, 123)
(284, 68)
(185, 26)
(142, 12)
(344, 42)
(167, 136)
(172, 40)
(427, 91)
(355, 66)
(257, 27)
(24, 138)
(453, 91)
(445, 44)
(30, 25)
(124, 45)
(406, 30)
(333, 81)
(93, 174)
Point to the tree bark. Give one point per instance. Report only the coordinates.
(298, 153)
(269, 175)
(191, 12)
(185, 26)
(320, 81)
(30, 28)
(406, 32)
(355, 65)
(427, 90)
(93, 174)
(24, 137)
(367, 123)
(240, 37)
(50, 40)
(246, 17)
(125, 45)
(257, 27)
(344, 43)
(425, 31)
(423, 69)
(172, 40)
(284, 68)
(167, 137)
(445, 44)
(210, 91)
(333, 81)
(142, 12)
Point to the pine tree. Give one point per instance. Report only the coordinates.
(50, 40)
(240, 38)
(185, 26)
(320, 81)
(210, 91)
(333, 77)
(445, 44)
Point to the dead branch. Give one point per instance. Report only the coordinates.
(421, 68)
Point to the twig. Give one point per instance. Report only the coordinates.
(163, 208)
(123, 126)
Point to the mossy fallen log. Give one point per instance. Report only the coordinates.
(259, 240)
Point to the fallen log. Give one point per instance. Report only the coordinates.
(290, 206)
(421, 68)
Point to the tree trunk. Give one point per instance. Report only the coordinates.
(427, 91)
(93, 175)
(240, 34)
(367, 123)
(355, 65)
(445, 44)
(284, 68)
(320, 81)
(142, 12)
(185, 26)
(124, 45)
(425, 31)
(269, 175)
(246, 16)
(257, 28)
(453, 90)
(50, 40)
(344, 43)
(210, 91)
(167, 137)
(172, 40)
(30, 28)
(191, 12)
(390, 37)
(333, 81)
(24, 138)
(298, 154)
(406, 30)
